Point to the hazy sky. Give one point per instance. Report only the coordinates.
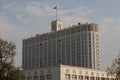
(21, 19)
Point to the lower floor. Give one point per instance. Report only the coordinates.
(65, 72)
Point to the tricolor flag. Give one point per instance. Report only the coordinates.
(55, 7)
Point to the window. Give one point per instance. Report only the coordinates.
(67, 76)
(92, 73)
(102, 74)
(49, 77)
(35, 72)
(86, 77)
(35, 78)
(42, 72)
(74, 71)
(97, 74)
(80, 77)
(86, 73)
(67, 70)
(29, 78)
(23, 78)
(42, 77)
(74, 77)
(97, 78)
(92, 78)
(49, 71)
(80, 72)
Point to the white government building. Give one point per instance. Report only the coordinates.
(71, 53)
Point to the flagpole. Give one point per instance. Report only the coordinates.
(56, 13)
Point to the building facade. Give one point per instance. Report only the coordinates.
(77, 45)
(64, 72)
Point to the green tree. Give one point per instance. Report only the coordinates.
(115, 67)
(7, 69)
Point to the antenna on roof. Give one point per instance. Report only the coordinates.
(56, 12)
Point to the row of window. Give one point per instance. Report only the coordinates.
(41, 77)
(80, 72)
(81, 77)
(55, 36)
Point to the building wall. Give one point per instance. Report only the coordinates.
(78, 73)
(77, 46)
(46, 73)
(64, 72)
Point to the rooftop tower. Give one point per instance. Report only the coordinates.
(56, 25)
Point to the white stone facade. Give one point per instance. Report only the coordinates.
(64, 72)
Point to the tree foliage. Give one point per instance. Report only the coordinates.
(7, 68)
(115, 67)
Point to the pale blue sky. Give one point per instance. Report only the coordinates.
(20, 19)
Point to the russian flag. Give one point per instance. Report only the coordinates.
(55, 7)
